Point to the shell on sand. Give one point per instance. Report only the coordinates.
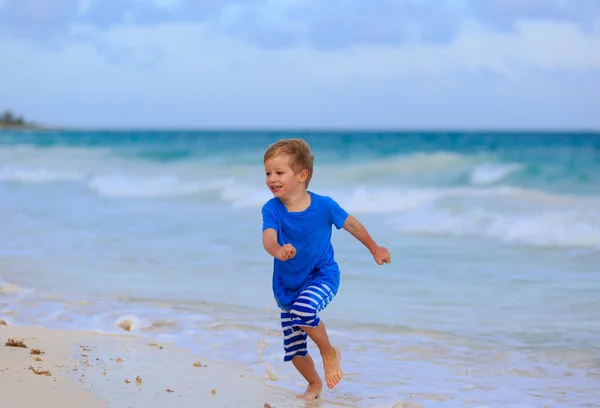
(125, 325)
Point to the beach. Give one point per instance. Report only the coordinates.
(28, 380)
(84, 369)
(118, 240)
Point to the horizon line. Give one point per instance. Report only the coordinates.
(297, 129)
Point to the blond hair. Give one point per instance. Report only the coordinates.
(299, 151)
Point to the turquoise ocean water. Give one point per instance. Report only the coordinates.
(492, 298)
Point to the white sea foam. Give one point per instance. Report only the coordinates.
(148, 187)
(37, 175)
(244, 195)
(389, 200)
(9, 288)
(546, 228)
(492, 173)
(508, 214)
(402, 165)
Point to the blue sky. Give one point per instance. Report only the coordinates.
(302, 63)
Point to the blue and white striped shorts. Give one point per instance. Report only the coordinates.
(303, 314)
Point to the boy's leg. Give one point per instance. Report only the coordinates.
(304, 314)
(306, 366)
(294, 344)
(332, 357)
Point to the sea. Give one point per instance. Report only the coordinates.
(492, 298)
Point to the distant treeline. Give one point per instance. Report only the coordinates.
(10, 119)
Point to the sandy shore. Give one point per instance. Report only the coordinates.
(95, 370)
(50, 386)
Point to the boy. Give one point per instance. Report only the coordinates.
(297, 233)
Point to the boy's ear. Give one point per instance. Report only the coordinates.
(303, 175)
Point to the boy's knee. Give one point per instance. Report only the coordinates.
(303, 317)
(297, 314)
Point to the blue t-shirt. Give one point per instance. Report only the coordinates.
(309, 231)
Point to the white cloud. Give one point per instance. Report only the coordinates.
(289, 23)
(539, 45)
(183, 74)
(545, 45)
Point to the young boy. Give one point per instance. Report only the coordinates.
(297, 226)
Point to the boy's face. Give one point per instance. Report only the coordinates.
(281, 179)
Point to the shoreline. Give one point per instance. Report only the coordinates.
(98, 370)
(25, 127)
(299, 130)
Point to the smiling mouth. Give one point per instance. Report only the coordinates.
(275, 188)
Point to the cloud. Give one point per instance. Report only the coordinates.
(37, 18)
(184, 74)
(47, 19)
(278, 24)
(341, 23)
(504, 14)
(41, 19)
(375, 63)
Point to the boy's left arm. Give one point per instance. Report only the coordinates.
(354, 227)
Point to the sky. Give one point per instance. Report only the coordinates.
(302, 63)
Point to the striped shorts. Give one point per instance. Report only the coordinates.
(304, 311)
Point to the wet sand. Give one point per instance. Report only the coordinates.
(85, 369)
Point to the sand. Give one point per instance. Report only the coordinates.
(99, 370)
(22, 387)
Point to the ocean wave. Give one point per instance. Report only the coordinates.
(544, 228)
(9, 288)
(434, 168)
(36, 164)
(408, 164)
(393, 200)
(37, 175)
(490, 173)
(110, 172)
(29, 164)
(148, 187)
(241, 195)
(516, 215)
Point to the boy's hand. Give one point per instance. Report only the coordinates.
(381, 255)
(286, 252)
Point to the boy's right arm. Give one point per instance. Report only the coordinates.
(269, 240)
(283, 253)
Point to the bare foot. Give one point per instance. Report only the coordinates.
(333, 368)
(312, 392)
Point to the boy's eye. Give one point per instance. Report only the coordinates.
(279, 173)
